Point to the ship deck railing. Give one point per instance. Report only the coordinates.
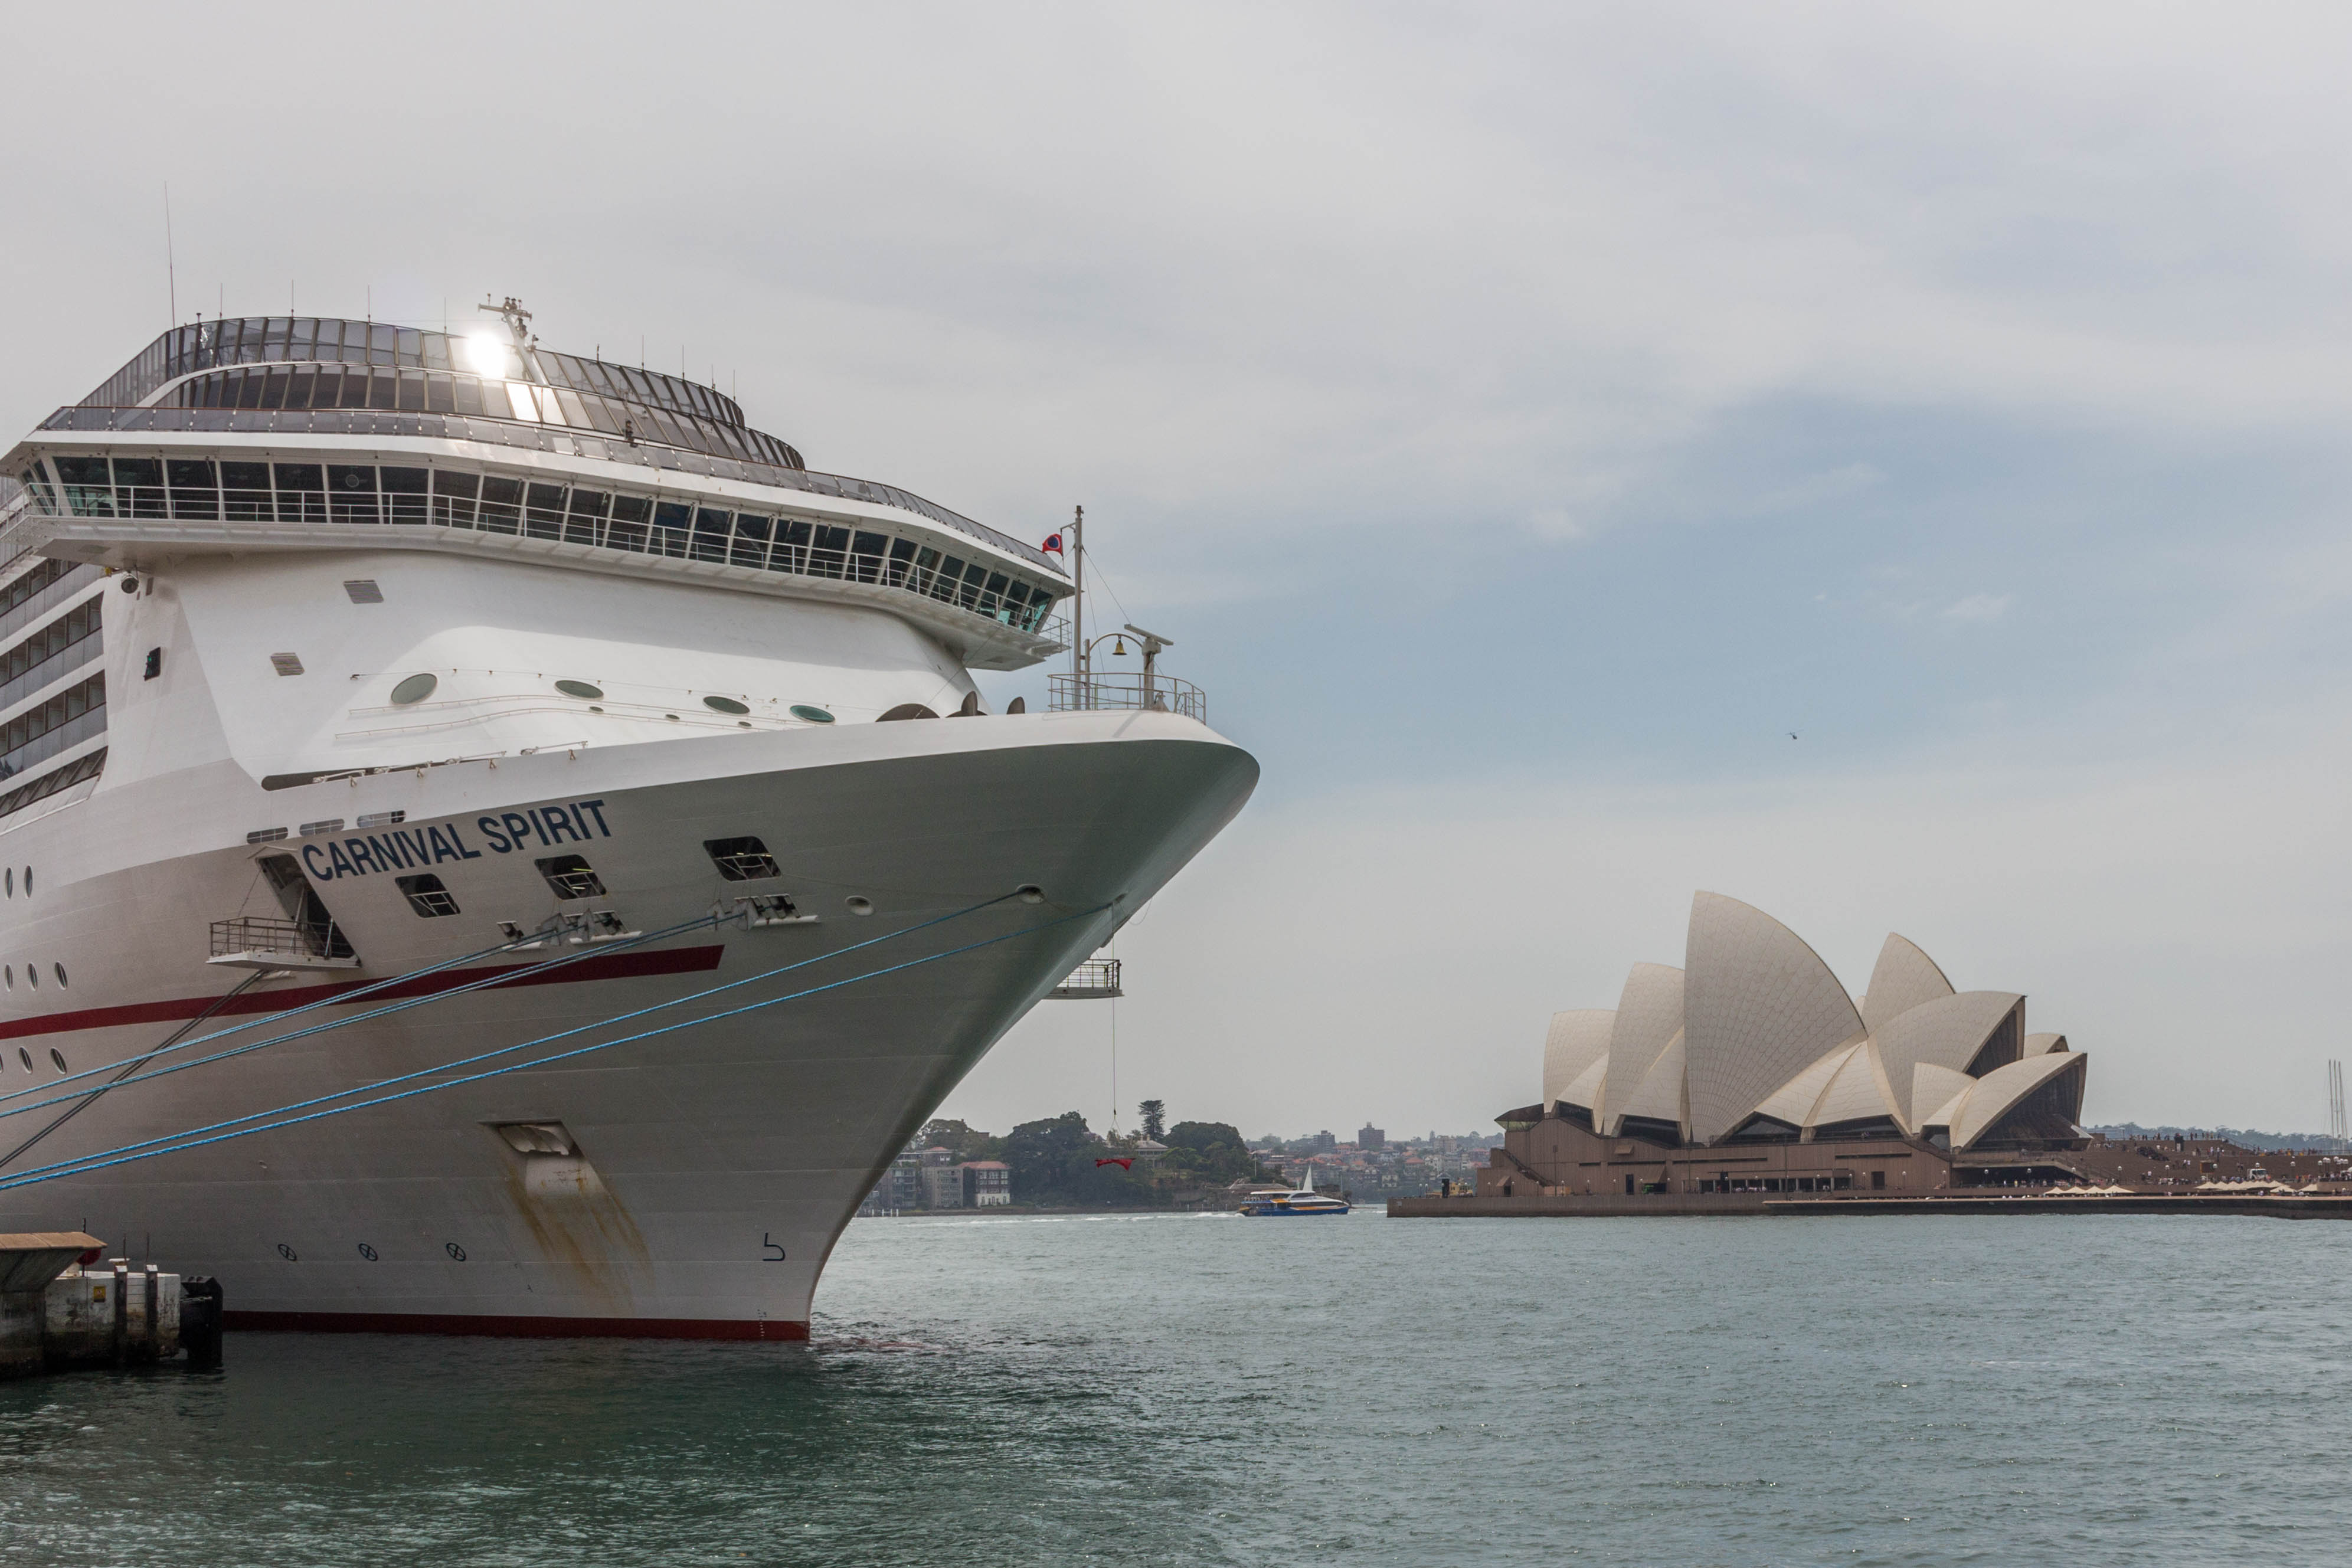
(1153, 693)
(1093, 980)
(711, 536)
(257, 942)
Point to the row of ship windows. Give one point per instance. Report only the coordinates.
(32, 975)
(742, 859)
(202, 490)
(259, 339)
(439, 392)
(416, 688)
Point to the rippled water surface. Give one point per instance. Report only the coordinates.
(1209, 1390)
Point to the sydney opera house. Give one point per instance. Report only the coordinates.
(1751, 1071)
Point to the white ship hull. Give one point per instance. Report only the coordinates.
(725, 1157)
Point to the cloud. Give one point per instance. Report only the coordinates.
(1977, 607)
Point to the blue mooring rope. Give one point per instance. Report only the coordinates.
(401, 1006)
(130, 1153)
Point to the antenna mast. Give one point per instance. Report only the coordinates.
(513, 314)
(1078, 605)
(171, 266)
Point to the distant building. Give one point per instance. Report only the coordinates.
(942, 1186)
(987, 1184)
(1322, 1143)
(1146, 1153)
(903, 1182)
(1370, 1137)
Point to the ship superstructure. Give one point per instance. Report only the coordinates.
(467, 695)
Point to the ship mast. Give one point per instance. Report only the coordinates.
(1078, 606)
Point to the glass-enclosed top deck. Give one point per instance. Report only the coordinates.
(422, 371)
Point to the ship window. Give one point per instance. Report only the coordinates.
(154, 663)
(363, 591)
(58, 1057)
(468, 392)
(286, 664)
(292, 476)
(724, 704)
(811, 715)
(571, 877)
(741, 860)
(710, 534)
(412, 391)
(580, 689)
(383, 390)
(426, 896)
(436, 393)
(501, 504)
(406, 488)
(8, 973)
(628, 529)
(544, 519)
(12, 881)
(671, 519)
(587, 510)
(415, 689)
(453, 498)
(32, 975)
(61, 969)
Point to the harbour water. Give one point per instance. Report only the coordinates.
(1209, 1389)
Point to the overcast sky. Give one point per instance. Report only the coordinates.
(1523, 418)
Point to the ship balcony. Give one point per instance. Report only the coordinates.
(1153, 693)
(1096, 979)
(253, 942)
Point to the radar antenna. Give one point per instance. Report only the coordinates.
(514, 316)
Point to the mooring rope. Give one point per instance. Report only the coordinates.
(87, 1101)
(269, 1017)
(405, 1003)
(149, 1148)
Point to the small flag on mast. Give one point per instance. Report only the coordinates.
(1053, 543)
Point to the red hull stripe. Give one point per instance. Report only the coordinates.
(515, 1327)
(606, 967)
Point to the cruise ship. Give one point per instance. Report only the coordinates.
(491, 843)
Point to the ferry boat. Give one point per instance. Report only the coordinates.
(583, 812)
(1302, 1199)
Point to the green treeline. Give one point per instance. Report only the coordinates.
(1059, 1162)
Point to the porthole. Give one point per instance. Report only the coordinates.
(581, 689)
(60, 969)
(26, 1056)
(724, 704)
(32, 975)
(8, 973)
(415, 689)
(812, 714)
(12, 881)
(29, 882)
(58, 1057)
(860, 905)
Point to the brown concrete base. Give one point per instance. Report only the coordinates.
(1578, 1204)
(1764, 1203)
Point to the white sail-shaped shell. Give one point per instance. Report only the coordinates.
(1759, 1007)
